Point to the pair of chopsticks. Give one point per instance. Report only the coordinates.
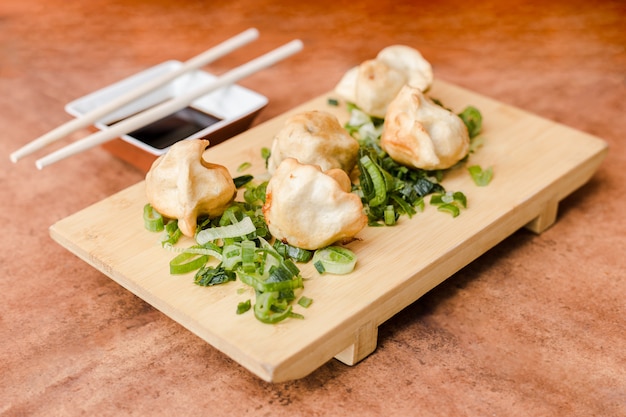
(160, 111)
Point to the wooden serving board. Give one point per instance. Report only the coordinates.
(536, 164)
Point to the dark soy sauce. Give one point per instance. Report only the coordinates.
(173, 128)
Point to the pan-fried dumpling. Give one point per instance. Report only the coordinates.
(317, 138)
(374, 83)
(182, 185)
(311, 209)
(410, 62)
(422, 134)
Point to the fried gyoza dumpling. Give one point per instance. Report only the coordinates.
(411, 63)
(422, 134)
(311, 209)
(374, 83)
(317, 138)
(371, 86)
(182, 185)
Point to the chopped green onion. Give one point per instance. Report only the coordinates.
(357, 118)
(390, 215)
(460, 198)
(333, 102)
(449, 208)
(335, 260)
(243, 166)
(265, 154)
(293, 252)
(268, 308)
(171, 234)
(187, 262)
(209, 275)
(305, 302)
(209, 249)
(378, 194)
(450, 202)
(258, 282)
(473, 120)
(244, 306)
(242, 180)
(481, 177)
(255, 194)
(152, 220)
(247, 256)
(231, 255)
(239, 229)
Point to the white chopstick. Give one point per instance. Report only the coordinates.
(89, 118)
(173, 105)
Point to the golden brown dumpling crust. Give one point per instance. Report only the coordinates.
(377, 84)
(182, 185)
(411, 63)
(310, 209)
(422, 134)
(316, 138)
(374, 83)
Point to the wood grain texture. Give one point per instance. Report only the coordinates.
(537, 163)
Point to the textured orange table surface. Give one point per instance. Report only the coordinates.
(535, 327)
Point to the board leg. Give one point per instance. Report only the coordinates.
(545, 219)
(365, 341)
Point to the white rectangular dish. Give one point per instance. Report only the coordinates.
(217, 116)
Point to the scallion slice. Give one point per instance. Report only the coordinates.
(389, 215)
(238, 229)
(248, 256)
(171, 234)
(305, 302)
(267, 308)
(334, 260)
(243, 166)
(450, 202)
(377, 181)
(244, 306)
(293, 252)
(187, 262)
(259, 283)
(481, 177)
(152, 220)
(209, 249)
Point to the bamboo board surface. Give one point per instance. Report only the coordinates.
(536, 164)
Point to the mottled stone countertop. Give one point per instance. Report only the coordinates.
(534, 327)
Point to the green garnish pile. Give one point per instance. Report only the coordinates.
(240, 240)
(388, 189)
